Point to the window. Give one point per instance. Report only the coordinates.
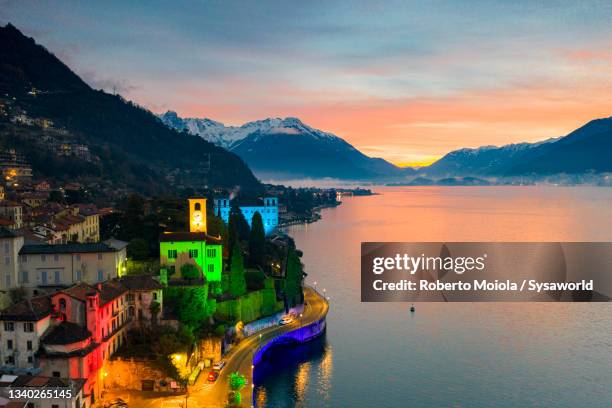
(43, 277)
(9, 344)
(211, 252)
(154, 295)
(9, 326)
(7, 248)
(10, 360)
(28, 327)
(79, 275)
(29, 345)
(31, 360)
(193, 253)
(24, 277)
(57, 277)
(43, 257)
(8, 281)
(24, 259)
(197, 207)
(56, 257)
(99, 257)
(211, 268)
(100, 275)
(7, 260)
(172, 254)
(78, 257)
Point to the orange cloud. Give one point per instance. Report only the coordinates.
(414, 130)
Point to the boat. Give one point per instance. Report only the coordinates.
(412, 309)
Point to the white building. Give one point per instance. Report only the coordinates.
(21, 327)
(40, 266)
(13, 212)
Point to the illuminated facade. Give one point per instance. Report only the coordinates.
(197, 215)
(194, 247)
(73, 332)
(268, 212)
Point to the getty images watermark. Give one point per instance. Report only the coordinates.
(486, 271)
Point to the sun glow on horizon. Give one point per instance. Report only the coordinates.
(419, 163)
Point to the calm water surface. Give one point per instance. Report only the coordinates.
(454, 354)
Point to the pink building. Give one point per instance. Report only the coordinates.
(82, 327)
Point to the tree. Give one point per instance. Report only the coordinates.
(18, 294)
(189, 272)
(138, 249)
(257, 241)
(237, 281)
(236, 218)
(237, 381)
(132, 217)
(154, 308)
(55, 196)
(293, 279)
(216, 227)
(190, 303)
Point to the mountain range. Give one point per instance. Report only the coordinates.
(135, 149)
(276, 148)
(587, 149)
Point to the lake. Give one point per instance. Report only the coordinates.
(447, 354)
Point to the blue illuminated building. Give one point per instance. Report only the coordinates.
(268, 211)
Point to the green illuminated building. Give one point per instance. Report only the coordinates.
(195, 247)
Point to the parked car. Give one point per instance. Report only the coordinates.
(212, 376)
(285, 320)
(218, 366)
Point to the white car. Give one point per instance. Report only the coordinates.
(285, 320)
(219, 365)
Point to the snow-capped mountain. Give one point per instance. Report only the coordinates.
(288, 148)
(227, 136)
(210, 130)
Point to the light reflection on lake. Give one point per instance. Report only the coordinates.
(448, 355)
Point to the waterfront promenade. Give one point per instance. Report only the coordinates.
(240, 359)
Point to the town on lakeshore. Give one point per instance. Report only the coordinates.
(183, 184)
(110, 323)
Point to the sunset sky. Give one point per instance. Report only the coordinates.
(404, 81)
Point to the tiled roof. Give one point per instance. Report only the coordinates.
(67, 248)
(30, 310)
(188, 237)
(66, 333)
(116, 243)
(111, 290)
(51, 382)
(80, 291)
(7, 233)
(140, 282)
(108, 291)
(7, 203)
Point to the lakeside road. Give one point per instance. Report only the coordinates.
(240, 359)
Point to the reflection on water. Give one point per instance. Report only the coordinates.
(448, 355)
(293, 367)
